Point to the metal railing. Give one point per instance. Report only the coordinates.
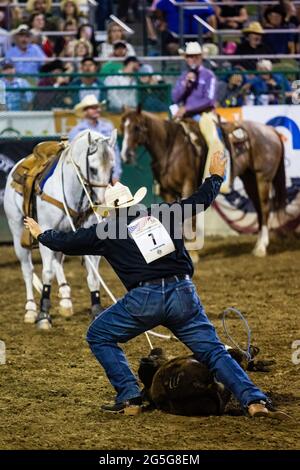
(45, 98)
(182, 6)
(155, 97)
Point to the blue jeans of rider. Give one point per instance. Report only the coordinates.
(177, 306)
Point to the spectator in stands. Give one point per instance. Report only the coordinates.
(120, 52)
(37, 24)
(44, 7)
(125, 10)
(252, 44)
(15, 100)
(290, 11)
(195, 89)
(81, 48)
(170, 13)
(114, 34)
(269, 87)
(10, 16)
(279, 43)
(89, 84)
(61, 44)
(231, 93)
(70, 11)
(152, 97)
(23, 49)
(58, 96)
(231, 16)
(159, 34)
(86, 31)
(104, 10)
(4, 41)
(119, 99)
(89, 109)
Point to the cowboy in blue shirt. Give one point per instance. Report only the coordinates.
(90, 109)
(23, 49)
(156, 269)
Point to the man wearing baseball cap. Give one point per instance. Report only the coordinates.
(23, 49)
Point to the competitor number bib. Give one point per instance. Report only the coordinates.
(151, 238)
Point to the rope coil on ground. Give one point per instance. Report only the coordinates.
(247, 328)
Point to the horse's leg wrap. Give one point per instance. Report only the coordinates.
(96, 307)
(65, 304)
(43, 321)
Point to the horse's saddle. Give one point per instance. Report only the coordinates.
(28, 175)
(235, 137)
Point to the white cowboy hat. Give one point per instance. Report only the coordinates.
(191, 48)
(21, 29)
(264, 64)
(86, 102)
(119, 196)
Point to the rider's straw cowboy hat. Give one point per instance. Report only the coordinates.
(119, 196)
(253, 27)
(87, 102)
(191, 48)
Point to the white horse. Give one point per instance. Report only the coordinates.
(93, 156)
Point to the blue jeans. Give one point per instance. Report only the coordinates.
(177, 306)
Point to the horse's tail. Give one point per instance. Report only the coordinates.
(279, 181)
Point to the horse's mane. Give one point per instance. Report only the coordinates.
(160, 125)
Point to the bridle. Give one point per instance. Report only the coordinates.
(85, 181)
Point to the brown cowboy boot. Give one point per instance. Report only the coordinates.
(264, 409)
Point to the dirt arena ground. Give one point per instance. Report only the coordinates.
(51, 387)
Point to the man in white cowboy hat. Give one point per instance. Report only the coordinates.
(89, 109)
(150, 259)
(23, 49)
(195, 89)
(195, 96)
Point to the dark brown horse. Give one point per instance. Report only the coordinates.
(178, 165)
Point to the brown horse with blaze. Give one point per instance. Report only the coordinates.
(178, 164)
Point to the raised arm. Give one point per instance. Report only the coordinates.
(209, 190)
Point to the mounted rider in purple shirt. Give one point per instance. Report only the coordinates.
(195, 90)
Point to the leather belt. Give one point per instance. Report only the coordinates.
(164, 280)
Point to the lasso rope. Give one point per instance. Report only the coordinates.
(247, 328)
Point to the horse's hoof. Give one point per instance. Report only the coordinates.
(66, 312)
(96, 310)
(43, 321)
(30, 316)
(259, 252)
(44, 325)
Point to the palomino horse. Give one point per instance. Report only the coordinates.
(93, 156)
(179, 168)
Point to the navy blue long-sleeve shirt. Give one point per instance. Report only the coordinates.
(123, 254)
